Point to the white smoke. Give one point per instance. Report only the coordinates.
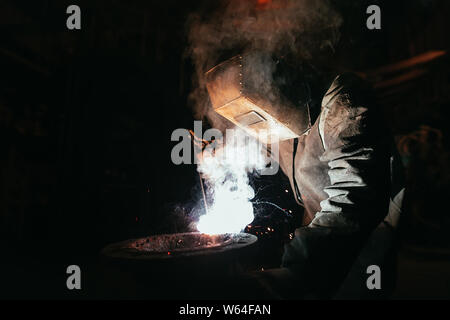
(226, 173)
(301, 28)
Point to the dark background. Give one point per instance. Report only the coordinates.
(86, 118)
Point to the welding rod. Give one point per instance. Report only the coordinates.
(203, 192)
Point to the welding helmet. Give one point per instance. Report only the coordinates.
(262, 94)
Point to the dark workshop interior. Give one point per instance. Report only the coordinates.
(86, 118)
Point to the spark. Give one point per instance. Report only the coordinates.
(274, 205)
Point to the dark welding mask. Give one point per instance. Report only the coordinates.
(261, 94)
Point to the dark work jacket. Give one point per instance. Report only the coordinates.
(341, 174)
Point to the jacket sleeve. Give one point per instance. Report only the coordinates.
(353, 140)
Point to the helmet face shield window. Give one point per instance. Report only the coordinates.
(243, 90)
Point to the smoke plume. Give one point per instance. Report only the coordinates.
(299, 28)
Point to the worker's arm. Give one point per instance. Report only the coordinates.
(354, 148)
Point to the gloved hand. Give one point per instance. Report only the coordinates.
(200, 146)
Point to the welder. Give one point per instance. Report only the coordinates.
(336, 151)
